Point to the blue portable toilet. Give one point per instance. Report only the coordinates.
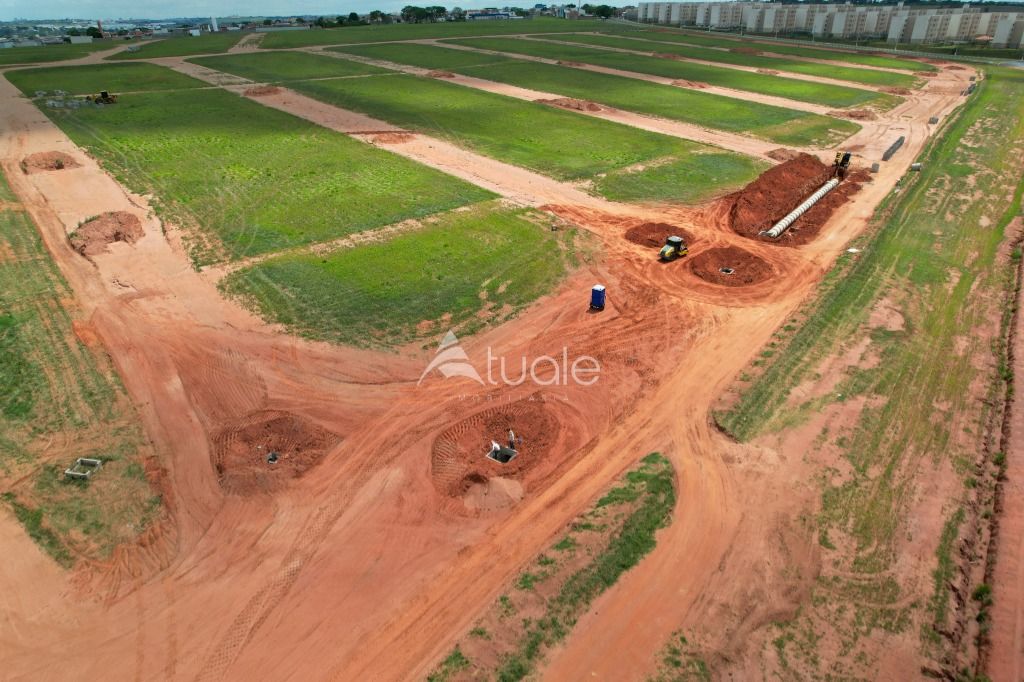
(597, 297)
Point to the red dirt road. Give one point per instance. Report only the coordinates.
(360, 566)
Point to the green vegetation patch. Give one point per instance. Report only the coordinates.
(275, 67)
(465, 268)
(210, 43)
(572, 582)
(561, 144)
(652, 43)
(91, 79)
(50, 53)
(785, 126)
(389, 32)
(802, 91)
(752, 42)
(59, 400)
(245, 179)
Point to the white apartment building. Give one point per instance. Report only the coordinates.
(896, 23)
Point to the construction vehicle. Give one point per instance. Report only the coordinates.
(841, 164)
(674, 248)
(103, 98)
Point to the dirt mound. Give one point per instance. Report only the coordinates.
(392, 137)
(565, 62)
(668, 55)
(440, 74)
(262, 90)
(690, 84)
(954, 67)
(779, 190)
(48, 161)
(570, 103)
(655, 234)
(459, 462)
(768, 72)
(730, 266)
(744, 50)
(855, 114)
(240, 451)
(895, 91)
(925, 74)
(92, 237)
(783, 154)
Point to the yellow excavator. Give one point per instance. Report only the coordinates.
(674, 248)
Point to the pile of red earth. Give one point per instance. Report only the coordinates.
(654, 234)
(262, 90)
(768, 72)
(92, 237)
(782, 154)
(779, 190)
(397, 137)
(690, 84)
(924, 74)
(954, 67)
(855, 114)
(895, 91)
(730, 266)
(47, 161)
(570, 103)
(241, 452)
(440, 74)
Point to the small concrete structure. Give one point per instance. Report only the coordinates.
(83, 468)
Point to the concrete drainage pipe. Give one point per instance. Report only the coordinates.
(781, 226)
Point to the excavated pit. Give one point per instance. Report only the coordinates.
(730, 266)
(654, 234)
(43, 162)
(94, 236)
(240, 451)
(459, 464)
(779, 190)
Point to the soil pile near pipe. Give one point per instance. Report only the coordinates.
(654, 234)
(779, 190)
(93, 236)
(241, 450)
(730, 266)
(48, 161)
(570, 103)
(262, 90)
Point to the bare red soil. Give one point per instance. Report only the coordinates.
(655, 234)
(392, 137)
(570, 103)
(240, 451)
(741, 267)
(48, 161)
(783, 154)
(93, 236)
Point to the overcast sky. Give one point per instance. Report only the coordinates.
(150, 9)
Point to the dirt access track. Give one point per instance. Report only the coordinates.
(360, 566)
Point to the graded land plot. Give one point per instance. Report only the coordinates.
(518, 132)
(544, 603)
(390, 32)
(389, 293)
(785, 126)
(763, 44)
(243, 179)
(836, 71)
(278, 67)
(59, 400)
(803, 91)
(210, 43)
(900, 445)
(91, 79)
(51, 53)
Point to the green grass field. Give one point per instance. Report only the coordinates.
(803, 91)
(247, 179)
(936, 258)
(785, 126)
(276, 67)
(81, 80)
(180, 46)
(389, 32)
(653, 43)
(377, 294)
(60, 400)
(764, 45)
(51, 53)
